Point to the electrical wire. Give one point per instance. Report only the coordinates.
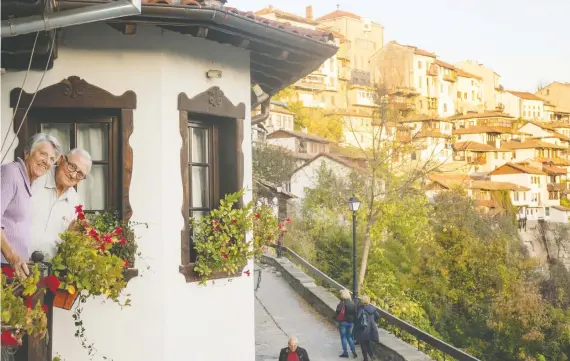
(34, 97)
(21, 91)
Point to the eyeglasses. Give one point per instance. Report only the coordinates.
(72, 167)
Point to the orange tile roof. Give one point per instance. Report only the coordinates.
(422, 118)
(521, 168)
(554, 170)
(495, 186)
(555, 125)
(338, 14)
(443, 64)
(480, 129)
(431, 133)
(465, 74)
(562, 208)
(530, 144)
(300, 135)
(486, 114)
(525, 95)
(474, 146)
(338, 159)
(422, 52)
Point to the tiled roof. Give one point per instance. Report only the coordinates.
(474, 146)
(556, 161)
(521, 168)
(554, 170)
(422, 118)
(530, 144)
(300, 135)
(419, 51)
(555, 125)
(525, 95)
(337, 159)
(285, 15)
(338, 14)
(273, 187)
(480, 129)
(449, 180)
(465, 74)
(431, 133)
(443, 64)
(280, 109)
(496, 186)
(562, 208)
(480, 116)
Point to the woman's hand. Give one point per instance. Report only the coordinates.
(19, 265)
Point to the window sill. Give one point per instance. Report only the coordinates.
(192, 276)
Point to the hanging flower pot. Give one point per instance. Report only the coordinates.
(64, 299)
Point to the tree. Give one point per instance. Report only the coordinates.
(272, 163)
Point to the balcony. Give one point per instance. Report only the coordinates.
(433, 70)
(452, 77)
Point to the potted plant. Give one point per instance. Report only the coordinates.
(22, 312)
(220, 237)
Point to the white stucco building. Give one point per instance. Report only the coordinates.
(524, 105)
(168, 121)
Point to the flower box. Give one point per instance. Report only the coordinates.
(130, 273)
(64, 299)
(193, 276)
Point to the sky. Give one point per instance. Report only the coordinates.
(526, 41)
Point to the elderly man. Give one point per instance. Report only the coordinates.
(293, 352)
(40, 153)
(55, 200)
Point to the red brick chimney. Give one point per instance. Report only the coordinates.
(309, 12)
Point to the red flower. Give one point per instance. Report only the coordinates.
(126, 264)
(108, 238)
(217, 229)
(8, 271)
(102, 247)
(123, 240)
(118, 231)
(93, 233)
(8, 339)
(51, 282)
(81, 216)
(287, 220)
(79, 209)
(281, 226)
(257, 215)
(247, 273)
(45, 308)
(28, 302)
(234, 221)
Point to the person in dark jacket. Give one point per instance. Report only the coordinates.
(293, 352)
(366, 330)
(345, 314)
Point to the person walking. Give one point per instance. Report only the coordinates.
(366, 330)
(345, 314)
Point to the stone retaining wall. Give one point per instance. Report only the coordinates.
(390, 347)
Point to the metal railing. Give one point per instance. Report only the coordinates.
(433, 342)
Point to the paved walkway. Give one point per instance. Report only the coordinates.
(281, 312)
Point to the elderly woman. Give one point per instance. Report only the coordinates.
(345, 314)
(40, 154)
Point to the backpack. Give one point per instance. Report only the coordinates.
(340, 316)
(362, 319)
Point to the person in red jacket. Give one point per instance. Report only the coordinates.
(293, 352)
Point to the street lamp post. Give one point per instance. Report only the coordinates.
(354, 205)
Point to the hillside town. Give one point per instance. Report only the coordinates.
(474, 133)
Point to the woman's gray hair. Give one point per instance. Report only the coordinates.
(39, 138)
(83, 154)
(345, 294)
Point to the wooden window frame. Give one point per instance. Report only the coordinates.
(210, 106)
(76, 95)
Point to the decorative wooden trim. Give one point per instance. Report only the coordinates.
(211, 102)
(185, 210)
(75, 93)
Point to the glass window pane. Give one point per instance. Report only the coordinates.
(62, 131)
(199, 141)
(94, 138)
(93, 190)
(197, 215)
(200, 187)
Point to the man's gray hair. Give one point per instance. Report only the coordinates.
(38, 139)
(294, 340)
(83, 154)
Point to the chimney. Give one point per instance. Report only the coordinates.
(309, 12)
(304, 130)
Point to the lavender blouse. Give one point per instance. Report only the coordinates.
(16, 200)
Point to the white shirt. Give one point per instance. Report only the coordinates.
(51, 215)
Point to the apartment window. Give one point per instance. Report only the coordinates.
(441, 88)
(516, 196)
(547, 211)
(458, 95)
(420, 83)
(331, 65)
(444, 107)
(419, 64)
(465, 95)
(538, 114)
(534, 197)
(472, 95)
(279, 121)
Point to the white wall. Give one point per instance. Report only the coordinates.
(169, 319)
(288, 143)
(306, 177)
(512, 105)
